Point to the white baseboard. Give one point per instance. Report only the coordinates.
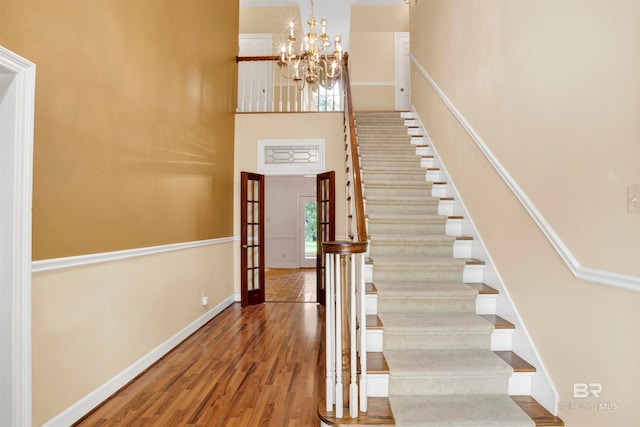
(99, 395)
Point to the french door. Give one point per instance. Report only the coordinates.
(252, 239)
(326, 217)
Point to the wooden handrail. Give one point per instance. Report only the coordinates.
(355, 160)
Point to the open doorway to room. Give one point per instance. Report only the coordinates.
(290, 238)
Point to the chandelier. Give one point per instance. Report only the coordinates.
(311, 63)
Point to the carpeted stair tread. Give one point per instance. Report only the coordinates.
(397, 184)
(410, 238)
(424, 289)
(445, 323)
(452, 363)
(408, 262)
(458, 411)
(407, 200)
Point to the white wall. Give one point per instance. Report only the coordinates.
(282, 195)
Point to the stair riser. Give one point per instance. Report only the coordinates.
(415, 228)
(412, 164)
(408, 209)
(417, 273)
(436, 341)
(393, 191)
(426, 305)
(430, 386)
(380, 149)
(408, 249)
(409, 176)
(402, 151)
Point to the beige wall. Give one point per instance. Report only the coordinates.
(133, 121)
(133, 149)
(371, 53)
(90, 323)
(270, 20)
(252, 127)
(552, 89)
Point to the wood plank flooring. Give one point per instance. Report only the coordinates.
(290, 285)
(258, 366)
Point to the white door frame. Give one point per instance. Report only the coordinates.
(16, 166)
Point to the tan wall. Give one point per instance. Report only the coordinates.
(133, 120)
(371, 53)
(552, 89)
(252, 127)
(271, 20)
(92, 322)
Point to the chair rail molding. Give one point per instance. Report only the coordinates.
(604, 277)
(46, 265)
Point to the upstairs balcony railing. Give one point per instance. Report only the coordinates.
(263, 89)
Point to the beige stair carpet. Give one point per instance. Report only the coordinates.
(442, 369)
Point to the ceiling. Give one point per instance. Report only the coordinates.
(337, 12)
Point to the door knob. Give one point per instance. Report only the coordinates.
(401, 89)
(244, 246)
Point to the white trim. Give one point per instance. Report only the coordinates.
(23, 85)
(373, 84)
(603, 277)
(82, 260)
(543, 389)
(93, 399)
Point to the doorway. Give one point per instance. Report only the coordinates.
(402, 67)
(17, 87)
(290, 267)
(307, 231)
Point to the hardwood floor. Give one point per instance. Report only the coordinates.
(290, 285)
(261, 365)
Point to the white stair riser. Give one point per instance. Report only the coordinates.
(374, 340)
(435, 175)
(473, 274)
(520, 383)
(463, 249)
(502, 340)
(429, 162)
(371, 303)
(378, 385)
(424, 151)
(486, 304)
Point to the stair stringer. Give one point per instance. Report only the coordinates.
(542, 387)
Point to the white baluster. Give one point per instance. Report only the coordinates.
(363, 334)
(338, 336)
(329, 326)
(353, 387)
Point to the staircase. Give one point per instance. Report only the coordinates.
(432, 360)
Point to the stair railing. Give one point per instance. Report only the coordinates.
(346, 354)
(263, 89)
